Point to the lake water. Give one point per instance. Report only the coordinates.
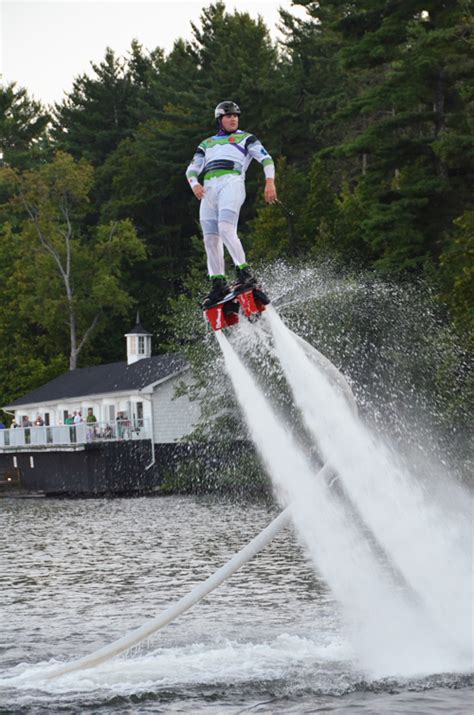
(77, 574)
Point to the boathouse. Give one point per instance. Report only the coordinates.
(103, 429)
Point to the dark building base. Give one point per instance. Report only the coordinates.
(126, 468)
(90, 470)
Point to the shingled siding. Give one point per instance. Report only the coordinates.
(173, 417)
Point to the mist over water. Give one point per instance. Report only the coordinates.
(410, 373)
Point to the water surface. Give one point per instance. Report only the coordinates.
(77, 574)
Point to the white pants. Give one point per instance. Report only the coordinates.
(219, 216)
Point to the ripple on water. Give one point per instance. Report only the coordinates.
(270, 639)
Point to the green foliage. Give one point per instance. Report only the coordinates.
(279, 229)
(418, 66)
(98, 113)
(23, 124)
(457, 264)
(231, 468)
(30, 354)
(237, 43)
(367, 108)
(69, 274)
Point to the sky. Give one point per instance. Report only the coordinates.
(44, 44)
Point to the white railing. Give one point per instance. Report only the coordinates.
(81, 433)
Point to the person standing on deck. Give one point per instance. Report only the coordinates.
(224, 158)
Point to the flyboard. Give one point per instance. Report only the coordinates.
(248, 302)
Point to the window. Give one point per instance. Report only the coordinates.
(46, 419)
(133, 345)
(141, 345)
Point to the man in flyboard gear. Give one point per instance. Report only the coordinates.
(224, 158)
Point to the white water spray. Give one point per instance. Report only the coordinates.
(381, 616)
(429, 549)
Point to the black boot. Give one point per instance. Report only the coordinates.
(219, 290)
(245, 279)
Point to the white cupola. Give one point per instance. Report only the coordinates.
(138, 343)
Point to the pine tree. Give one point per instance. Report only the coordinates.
(98, 113)
(457, 275)
(415, 179)
(23, 127)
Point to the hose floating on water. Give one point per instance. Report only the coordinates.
(222, 574)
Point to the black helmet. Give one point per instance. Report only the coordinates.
(226, 107)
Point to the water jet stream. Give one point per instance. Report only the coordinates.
(380, 615)
(427, 547)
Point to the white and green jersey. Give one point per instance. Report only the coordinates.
(224, 154)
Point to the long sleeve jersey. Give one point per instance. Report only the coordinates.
(226, 153)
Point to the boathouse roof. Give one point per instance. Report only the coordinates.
(105, 379)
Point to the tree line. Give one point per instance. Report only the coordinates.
(367, 108)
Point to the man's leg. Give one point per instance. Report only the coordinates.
(208, 216)
(228, 234)
(231, 197)
(215, 254)
(215, 266)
